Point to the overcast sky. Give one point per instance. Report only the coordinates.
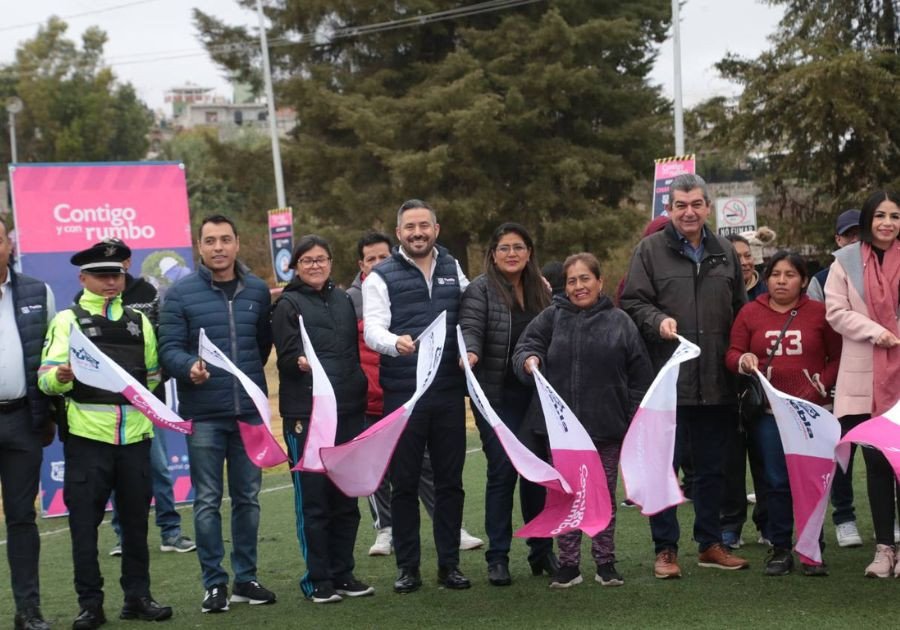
(141, 30)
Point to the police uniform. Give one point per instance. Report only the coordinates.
(107, 445)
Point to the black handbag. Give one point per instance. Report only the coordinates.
(751, 398)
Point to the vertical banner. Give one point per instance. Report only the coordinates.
(665, 170)
(281, 243)
(60, 209)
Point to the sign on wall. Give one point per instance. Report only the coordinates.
(735, 214)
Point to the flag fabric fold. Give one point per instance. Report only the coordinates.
(881, 432)
(323, 419)
(526, 463)
(92, 367)
(589, 506)
(648, 449)
(358, 466)
(809, 435)
(261, 446)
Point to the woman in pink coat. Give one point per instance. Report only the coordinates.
(862, 296)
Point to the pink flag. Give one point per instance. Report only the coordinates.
(648, 449)
(809, 435)
(881, 432)
(573, 453)
(92, 367)
(261, 446)
(323, 419)
(358, 466)
(526, 463)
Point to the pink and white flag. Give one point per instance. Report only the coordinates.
(648, 449)
(358, 466)
(881, 432)
(589, 507)
(323, 419)
(809, 435)
(261, 446)
(526, 463)
(92, 367)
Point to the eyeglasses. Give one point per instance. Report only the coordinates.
(309, 263)
(506, 249)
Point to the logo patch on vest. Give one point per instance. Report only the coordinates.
(133, 328)
(31, 308)
(446, 280)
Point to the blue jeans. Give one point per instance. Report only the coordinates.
(213, 444)
(167, 517)
(765, 441)
(707, 436)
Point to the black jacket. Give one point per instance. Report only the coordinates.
(486, 323)
(664, 281)
(330, 322)
(594, 358)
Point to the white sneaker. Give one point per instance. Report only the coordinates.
(751, 498)
(883, 564)
(383, 543)
(847, 535)
(467, 541)
(762, 540)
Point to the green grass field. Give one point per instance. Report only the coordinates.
(704, 598)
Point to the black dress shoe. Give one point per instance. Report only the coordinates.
(548, 563)
(31, 619)
(452, 577)
(89, 619)
(145, 608)
(408, 581)
(498, 574)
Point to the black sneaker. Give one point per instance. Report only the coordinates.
(216, 599)
(252, 593)
(353, 588)
(145, 608)
(566, 577)
(608, 576)
(815, 570)
(30, 619)
(324, 593)
(779, 562)
(89, 619)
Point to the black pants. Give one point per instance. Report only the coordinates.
(327, 519)
(93, 471)
(20, 473)
(734, 497)
(438, 423)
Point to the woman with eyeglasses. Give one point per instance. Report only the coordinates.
(327, 521)
(496, 308)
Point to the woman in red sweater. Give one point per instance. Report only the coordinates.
(803, 364)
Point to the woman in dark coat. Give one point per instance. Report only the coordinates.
(593, 356)
(327, 521)
(495, 309)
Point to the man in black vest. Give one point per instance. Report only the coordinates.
(401, 297)
(26, 305)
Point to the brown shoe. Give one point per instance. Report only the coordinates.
(666, 565)
(718, 556)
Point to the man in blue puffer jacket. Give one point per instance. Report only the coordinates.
(232, 306)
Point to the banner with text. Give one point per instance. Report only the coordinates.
(60, 209)
(281, 243)
(664, 171)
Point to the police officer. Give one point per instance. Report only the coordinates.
(107, 446)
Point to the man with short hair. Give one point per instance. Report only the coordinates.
(26, 306)
(687, 281)
(232, 305)
(401, 297)
(107, 439)
(846, 232)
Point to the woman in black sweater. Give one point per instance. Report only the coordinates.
(496, 308)
(327, 521)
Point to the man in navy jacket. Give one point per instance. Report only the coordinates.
(232, 306)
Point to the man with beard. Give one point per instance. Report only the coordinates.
(401, 297)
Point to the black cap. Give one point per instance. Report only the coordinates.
(106, 256)
(846, 220)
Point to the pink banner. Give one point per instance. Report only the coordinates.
(323, 419)
(881, 432)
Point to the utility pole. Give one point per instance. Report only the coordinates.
(13, 106)
(679, 109)
(270, 98)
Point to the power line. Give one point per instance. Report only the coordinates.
(78, 15)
